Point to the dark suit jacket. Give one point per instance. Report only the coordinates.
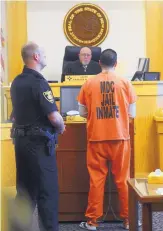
(76, 68)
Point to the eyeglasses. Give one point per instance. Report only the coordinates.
(85, 55)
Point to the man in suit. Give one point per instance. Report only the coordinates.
(84, 65)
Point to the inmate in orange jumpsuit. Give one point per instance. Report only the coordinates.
(107, 98)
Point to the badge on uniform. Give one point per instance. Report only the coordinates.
(48, 96)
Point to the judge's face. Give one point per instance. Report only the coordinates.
(85, 56)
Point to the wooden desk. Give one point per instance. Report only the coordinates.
(159, 133)
(73, 175)
(140, 190)
(150, 95)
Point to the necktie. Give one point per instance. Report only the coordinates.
(85, 68)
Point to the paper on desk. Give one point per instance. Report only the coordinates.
(159, 191)
(72, 113)
(141, 187)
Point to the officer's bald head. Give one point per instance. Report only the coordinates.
(33, 54)
(85, 55)
(28, 50)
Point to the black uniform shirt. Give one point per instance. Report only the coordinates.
(76, 68)
(32, 99)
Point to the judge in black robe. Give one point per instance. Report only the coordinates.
(83, 66)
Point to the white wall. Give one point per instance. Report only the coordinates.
(126, 34)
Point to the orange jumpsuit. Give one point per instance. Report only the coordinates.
(107, 99)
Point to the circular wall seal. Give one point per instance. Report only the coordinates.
(86, 25)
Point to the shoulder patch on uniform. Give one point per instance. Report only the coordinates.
(48, 96)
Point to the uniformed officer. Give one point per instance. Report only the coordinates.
(36, 125)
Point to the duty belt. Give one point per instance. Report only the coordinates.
(52, 138)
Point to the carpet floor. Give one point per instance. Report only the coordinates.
(108, 226)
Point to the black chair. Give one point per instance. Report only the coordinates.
(71, 55)
(138, 76)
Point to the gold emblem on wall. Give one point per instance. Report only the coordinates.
(86, 25)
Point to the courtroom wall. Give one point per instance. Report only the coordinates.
(3, 43)
(126, 35)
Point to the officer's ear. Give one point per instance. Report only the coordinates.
(36, 56)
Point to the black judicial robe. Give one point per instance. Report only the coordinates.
(76, 68)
